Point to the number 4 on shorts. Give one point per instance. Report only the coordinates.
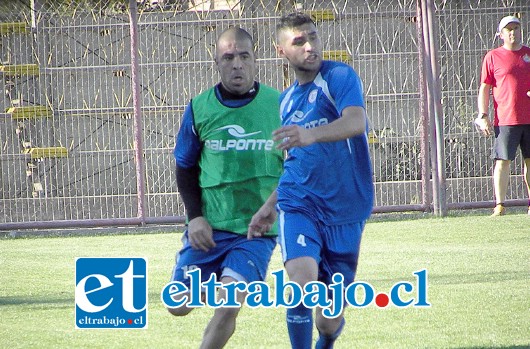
(301, 240)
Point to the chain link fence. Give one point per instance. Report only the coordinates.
(466, 32)
(80, 145)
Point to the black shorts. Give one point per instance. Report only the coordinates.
(508, 138)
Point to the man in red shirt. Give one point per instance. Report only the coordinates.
(506, 70)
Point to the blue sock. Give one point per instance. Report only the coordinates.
(300, 327)
(326, 342)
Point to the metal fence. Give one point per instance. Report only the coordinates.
(93, 93)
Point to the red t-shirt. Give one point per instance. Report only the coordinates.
(509, 74)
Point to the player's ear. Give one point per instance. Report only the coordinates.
(280, 51)
(216, 62)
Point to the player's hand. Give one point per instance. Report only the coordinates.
(200, 234)
(262, 221)
(483, 125)
(292, 136)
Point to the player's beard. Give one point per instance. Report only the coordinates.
(313, 67)
(305, 70)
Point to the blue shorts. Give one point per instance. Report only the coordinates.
(508, 139)
(234, 255)
(335, 248)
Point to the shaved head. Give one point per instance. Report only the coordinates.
(235, 34)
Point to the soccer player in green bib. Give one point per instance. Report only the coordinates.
(227, 166)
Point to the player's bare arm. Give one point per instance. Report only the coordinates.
(482, 121)
(351, 123)
(200, 234)
(263, 220)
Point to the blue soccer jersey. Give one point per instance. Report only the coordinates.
(331, 181)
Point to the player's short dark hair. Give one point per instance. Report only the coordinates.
(293, 20)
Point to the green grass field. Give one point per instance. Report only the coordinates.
(479, 288)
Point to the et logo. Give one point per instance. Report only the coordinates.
(110, 293)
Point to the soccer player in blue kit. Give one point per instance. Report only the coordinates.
(325, 194)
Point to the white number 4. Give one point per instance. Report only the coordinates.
(301, 240)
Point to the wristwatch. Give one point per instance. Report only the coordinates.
(483, 115)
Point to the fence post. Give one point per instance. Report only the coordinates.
(427, 72)
(426, 189)
(35, 7)
(137, 119)
(435, 108)
(438, 110)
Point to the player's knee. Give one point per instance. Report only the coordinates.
(302, 270)
(327, 326)
(227, 313)
(180, 311)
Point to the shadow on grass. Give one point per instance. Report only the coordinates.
(501, 347)
(417, 215)
(28, 300)
(89, 232)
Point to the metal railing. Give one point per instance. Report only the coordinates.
(94, 92)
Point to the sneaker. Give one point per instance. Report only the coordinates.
(499, 210)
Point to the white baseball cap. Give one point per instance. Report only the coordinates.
(507, 20)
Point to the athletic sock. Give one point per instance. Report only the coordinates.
(300, 327)
(326, 342)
